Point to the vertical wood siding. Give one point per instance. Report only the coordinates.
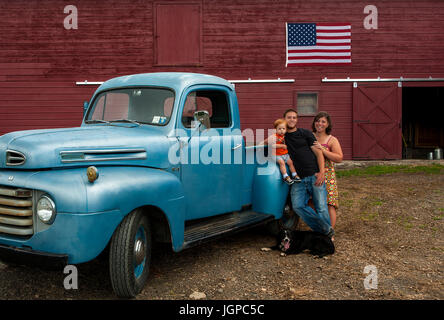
(40, 61)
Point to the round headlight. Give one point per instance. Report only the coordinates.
(46, 209)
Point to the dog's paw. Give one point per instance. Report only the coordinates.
(266, 249)
(283, 254)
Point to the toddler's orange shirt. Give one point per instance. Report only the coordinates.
(279, 151)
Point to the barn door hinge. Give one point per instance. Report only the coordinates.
(355, 84)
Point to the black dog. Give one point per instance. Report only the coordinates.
(294, 242)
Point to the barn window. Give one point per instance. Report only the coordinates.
(178, 34)
(307, 103)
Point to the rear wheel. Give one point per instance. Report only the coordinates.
(289, 220)
(130, 255)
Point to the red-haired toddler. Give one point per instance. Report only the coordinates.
(280, 152)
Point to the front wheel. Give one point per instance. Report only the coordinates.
(130, 255)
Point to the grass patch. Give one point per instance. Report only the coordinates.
(408, 225)
(345, 202)
(368, 216)
(377, 203)
(405, 222)
(372, 201)
(378, 170)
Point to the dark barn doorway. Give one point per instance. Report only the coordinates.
(422, 121)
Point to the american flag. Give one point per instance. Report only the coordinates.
(311, 44)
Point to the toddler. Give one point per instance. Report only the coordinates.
(280, 151)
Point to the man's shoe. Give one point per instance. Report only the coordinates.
(331, 233)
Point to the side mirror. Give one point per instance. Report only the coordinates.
(85, 107)
(202, 118)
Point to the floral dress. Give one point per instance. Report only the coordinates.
(330, 180)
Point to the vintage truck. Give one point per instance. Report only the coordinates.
(158, 157)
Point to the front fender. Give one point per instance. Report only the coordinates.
(88, 213)
(127, 188)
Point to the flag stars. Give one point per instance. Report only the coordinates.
(301, 34)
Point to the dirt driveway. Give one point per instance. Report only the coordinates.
(391, 224)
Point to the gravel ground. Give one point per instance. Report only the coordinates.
(393, 223)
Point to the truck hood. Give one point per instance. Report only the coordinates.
(83, 146)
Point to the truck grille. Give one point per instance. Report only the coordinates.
(16, 211)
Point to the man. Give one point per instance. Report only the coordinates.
(309, 164)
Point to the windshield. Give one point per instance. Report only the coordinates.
(139, 105)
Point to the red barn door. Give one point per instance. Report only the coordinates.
(377, 127)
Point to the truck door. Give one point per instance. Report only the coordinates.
(210, 172)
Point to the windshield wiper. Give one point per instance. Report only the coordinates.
(96, 121)
(125, 120)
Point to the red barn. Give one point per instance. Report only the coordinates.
(386, 104)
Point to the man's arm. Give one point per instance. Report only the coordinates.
(320, 176)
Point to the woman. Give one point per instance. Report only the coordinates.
(332, 151)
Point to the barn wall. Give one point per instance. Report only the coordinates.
(40, 60)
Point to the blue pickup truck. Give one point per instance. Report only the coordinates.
(158, 157)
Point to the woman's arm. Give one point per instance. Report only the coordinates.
(335, 154)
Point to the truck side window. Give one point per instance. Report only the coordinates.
(213, 101)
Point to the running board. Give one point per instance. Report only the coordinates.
(218, 226)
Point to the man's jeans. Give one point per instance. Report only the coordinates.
(318, 221)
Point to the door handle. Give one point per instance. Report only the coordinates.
(237, 147)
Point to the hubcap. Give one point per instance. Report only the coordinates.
(139, 252)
